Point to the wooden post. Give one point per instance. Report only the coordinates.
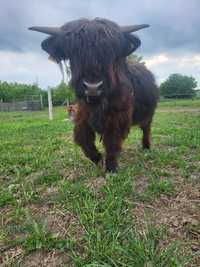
(50, 104)
(41, 102)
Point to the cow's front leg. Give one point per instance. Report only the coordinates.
(117, 128)
(113, 145)
(85, 137)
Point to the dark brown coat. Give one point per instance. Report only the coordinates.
(133, 102)
(112, 93)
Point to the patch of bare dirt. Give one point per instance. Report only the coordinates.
(10, 255)
(32, 177)
(179, 215)
(5, 211)
(44, 259)
(6, 178)
(95, 184)
(9, 228)
(49, 192)
(140, 184)
(70, 175)
(61, 223)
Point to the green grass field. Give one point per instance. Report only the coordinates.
(58, 209)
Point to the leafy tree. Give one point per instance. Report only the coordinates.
(63, 93)
(17, 92)
(178, 86)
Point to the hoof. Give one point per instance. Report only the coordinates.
(97, 159)
(146, 146)
(111, 167)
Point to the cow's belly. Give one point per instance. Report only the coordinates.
(142, 113)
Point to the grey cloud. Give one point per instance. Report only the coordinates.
(174, 25)
(174, 31)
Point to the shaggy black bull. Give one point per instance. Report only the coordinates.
(112, 93)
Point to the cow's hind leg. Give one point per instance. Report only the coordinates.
(85, 137)
(146, 139)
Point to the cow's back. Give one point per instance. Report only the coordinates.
(145, 90)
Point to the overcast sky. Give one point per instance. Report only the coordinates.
(170, 45)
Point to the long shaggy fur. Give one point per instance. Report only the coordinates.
(129, 90)
(132, 101)
(97, 50)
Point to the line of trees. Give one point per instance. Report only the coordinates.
(10, 92)
(176, 86)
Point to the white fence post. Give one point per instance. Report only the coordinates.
(50, 104)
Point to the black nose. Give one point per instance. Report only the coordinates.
(92, 89)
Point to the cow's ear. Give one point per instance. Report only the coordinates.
(53, 46)
(131, 43)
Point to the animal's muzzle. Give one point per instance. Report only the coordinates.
(93, 89)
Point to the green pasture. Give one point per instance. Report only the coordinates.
(59, 209)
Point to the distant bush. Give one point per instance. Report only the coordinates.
(63, 93)
(178, 86)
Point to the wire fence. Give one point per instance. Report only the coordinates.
(177, 96)
(30, 103)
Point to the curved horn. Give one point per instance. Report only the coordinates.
(47, 30)
(134, 28)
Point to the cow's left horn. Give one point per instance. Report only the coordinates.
(47, 30)
(134, 28)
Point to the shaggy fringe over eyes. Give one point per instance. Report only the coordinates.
(96, 42)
